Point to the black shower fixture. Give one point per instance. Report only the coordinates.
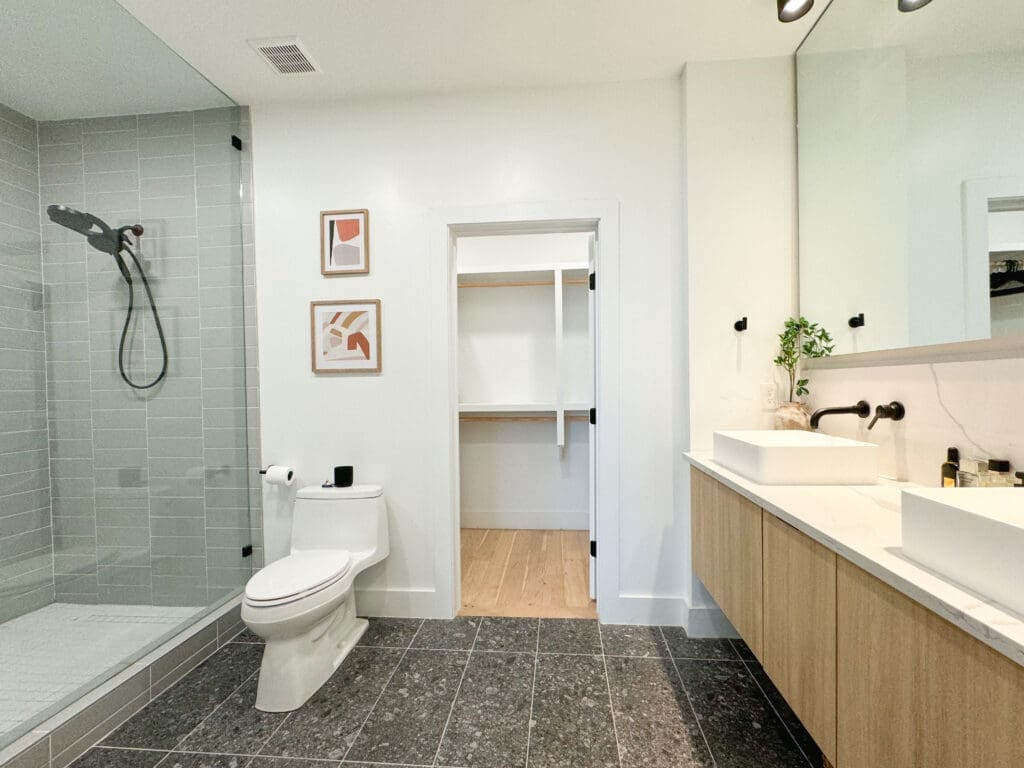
(912, 5)
(791, 10)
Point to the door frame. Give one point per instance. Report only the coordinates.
(598, 216)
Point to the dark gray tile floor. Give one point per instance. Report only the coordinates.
(481, 693)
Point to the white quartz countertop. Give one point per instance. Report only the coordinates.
(862, 525)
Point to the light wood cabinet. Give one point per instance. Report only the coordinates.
(799, 586)
(914, 690)
(726, 531)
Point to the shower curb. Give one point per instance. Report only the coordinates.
(63, 738)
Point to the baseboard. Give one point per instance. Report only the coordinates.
(702, 621)
(400, 603)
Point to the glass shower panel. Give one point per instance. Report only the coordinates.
(126, 512)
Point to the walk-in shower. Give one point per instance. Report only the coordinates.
(107, 240)
(126, 392)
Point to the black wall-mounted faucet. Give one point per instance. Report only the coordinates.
(861, 409)
(893, 410)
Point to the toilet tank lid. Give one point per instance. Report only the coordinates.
(332, 493)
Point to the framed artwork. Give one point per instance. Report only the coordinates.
(345, 336)
(344, 242)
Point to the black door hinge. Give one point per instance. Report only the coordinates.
(593, 549)
(593, 416)
(236, 143)
(593, 281)
(247, 550)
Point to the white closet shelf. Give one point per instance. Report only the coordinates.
(545, 407)
(508, 269)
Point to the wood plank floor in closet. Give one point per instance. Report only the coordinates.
(526, 573)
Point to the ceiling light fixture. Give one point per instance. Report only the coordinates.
(791, 10)
(912, 5)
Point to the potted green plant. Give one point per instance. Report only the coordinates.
(800, 340)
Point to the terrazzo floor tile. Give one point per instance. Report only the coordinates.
(682, 647)
(653, 720)
(408, 721)
(625, 640)
(288, 762)
(789, 718)
(572, 718)
(456, 634)
(500, 634)
(247, 636)
(326, 725)
(490, 720)
(169, 719)
(390, 633)
(182, 760)
(741, 728)
(118, 758)
(743, 650)
(569, 636)
(236, 726)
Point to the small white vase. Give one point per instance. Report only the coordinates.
(792, 416)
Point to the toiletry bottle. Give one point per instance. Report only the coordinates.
(969, 474)
(1020, 477)
(996, 474)
(950, 467)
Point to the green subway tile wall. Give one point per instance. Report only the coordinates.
(26, 541)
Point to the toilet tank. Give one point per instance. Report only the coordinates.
(351, 518)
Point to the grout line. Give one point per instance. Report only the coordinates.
(689, 701)
(458, 688)
(384, 688)
(611, 703)
(533, 695)
(215, 709)
(746, 665)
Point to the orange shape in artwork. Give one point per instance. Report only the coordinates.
(347, 228)
(358, 339)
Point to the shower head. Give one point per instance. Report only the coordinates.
(96, 231)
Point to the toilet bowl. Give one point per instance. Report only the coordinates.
(303, 605)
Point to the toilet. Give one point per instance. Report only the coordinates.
(303, 605)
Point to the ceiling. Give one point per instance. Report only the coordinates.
(378, 47)
(89, 58)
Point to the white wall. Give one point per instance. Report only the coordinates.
(402, 159)
(741, 248)
(971, 405)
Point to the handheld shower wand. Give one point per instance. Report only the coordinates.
(101, 237)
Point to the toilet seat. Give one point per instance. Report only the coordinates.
(296, 576)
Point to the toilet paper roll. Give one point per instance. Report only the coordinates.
(280, 475)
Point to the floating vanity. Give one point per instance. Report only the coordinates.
(888, 664)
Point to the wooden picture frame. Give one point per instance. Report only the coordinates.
(345, 242)
(345, 336)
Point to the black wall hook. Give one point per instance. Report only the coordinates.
(858, 321)
(740, 325)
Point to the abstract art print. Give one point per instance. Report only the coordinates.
(345, 242)
(345, 336)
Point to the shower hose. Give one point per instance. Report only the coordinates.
(127, 323)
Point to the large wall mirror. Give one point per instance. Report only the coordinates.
(911, 147)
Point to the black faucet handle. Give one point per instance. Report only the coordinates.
(893, 410)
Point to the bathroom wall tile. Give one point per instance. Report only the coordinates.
(572, 718)
(35, 756)
(407, 723)
(166, 124)
(494, 698)
(60, 132)
(325, 726)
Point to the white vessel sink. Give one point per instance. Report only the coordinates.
(972, 535)
(790, 457)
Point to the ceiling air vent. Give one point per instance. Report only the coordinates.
(285, 54)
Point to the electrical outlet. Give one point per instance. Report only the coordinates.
(770, 395)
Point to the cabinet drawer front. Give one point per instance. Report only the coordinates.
(800, 627)
(914, 690)
(726, 530)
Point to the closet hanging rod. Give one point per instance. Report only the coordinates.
(568, 417)
(526, 283)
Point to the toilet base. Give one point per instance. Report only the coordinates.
(295, 668)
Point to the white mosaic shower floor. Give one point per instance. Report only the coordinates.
(49, 653)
